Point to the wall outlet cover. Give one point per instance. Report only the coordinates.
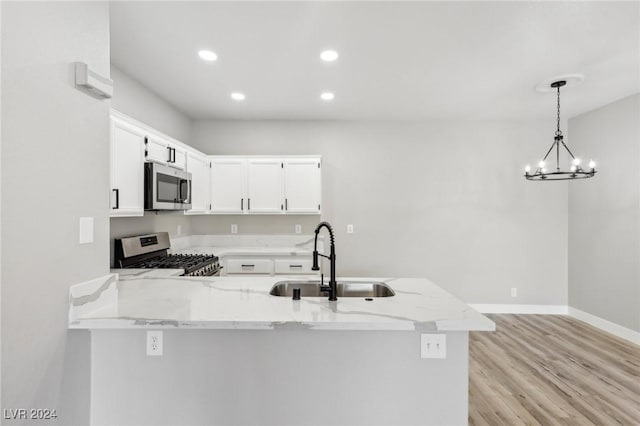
(234, 228)
(86, 230)
(433, 345)
(298, 229)
(350, 229)
(154, 343)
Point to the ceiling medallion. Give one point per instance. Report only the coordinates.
(575, 171)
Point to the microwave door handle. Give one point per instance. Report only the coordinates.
(186, 183)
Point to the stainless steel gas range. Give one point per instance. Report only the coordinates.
(151, 251)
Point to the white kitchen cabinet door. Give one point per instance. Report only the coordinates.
(127, 169)
(302, 186)
(227, 183)
(248, 265)
(157, 150)
(264, 186)
(161, 151)
(198, 166)
(297, 265)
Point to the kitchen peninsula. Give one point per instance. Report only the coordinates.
(234, 354)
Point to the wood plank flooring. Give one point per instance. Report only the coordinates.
(552, 370)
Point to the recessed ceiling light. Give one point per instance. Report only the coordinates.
(237, 96)
(207, 55)
(327, 96)
(329, 55)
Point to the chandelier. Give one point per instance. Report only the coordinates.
(575, 171)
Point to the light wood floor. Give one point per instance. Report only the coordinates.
(552, 370)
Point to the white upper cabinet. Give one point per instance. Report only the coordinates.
(198, 166)
(228, 185)
(160, 150)
(264, 186)
(302, 186)
(127, 178)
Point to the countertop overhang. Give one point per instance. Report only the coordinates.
(244, 303)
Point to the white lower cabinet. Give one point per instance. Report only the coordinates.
(249, 266)
(294, 265)
(267, 265)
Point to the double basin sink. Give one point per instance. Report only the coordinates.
(345, 289)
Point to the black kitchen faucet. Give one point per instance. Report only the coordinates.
(332, 288)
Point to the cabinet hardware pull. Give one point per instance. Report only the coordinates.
(242, 204)
(248, 266)
(169, 149)
(248, 203)
(286, 204)
(117, 191)
(295, 266)
(174, 155)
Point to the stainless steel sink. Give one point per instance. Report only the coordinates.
(345, 289)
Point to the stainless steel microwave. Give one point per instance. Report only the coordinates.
(166, 188)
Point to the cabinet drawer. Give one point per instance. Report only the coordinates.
(294, 266)
(249, 266)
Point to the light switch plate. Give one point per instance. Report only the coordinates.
(86, 230)
(433, 345)
(350, 229)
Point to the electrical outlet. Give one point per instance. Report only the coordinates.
(349, 229)
(433, 346)
(514, 292)
(154, 343)
(298, 229)
(234, 228)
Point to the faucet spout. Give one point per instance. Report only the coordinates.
(332, 288)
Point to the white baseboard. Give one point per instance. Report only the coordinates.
(520, 309)
(606, 325)
(601, 323)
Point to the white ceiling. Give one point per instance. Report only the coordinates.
(398, 60)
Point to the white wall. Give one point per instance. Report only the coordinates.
(55, 169)
(604, 215)
(445, 200)
(132, 98)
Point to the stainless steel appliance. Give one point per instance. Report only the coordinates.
(166, 188)
(150, 251)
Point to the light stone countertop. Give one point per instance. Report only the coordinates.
(147, 273)
(134, 302)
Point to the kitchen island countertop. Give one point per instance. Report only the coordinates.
(134, 301)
